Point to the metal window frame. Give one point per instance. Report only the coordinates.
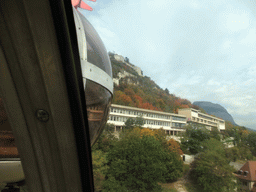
(40, 69)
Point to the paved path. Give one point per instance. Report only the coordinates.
(180, 185)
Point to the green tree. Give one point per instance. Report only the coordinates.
(239, 152)
(134, 122)
(109, 128)
(211, 170)
(193, 138)
(138, 163)
(106, 140)
(251, 140)
(139, 122)
(99, 162)
(215, 134)
(129, 123)
(174, 165)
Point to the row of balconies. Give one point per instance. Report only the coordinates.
(146, 114)
(203, 121)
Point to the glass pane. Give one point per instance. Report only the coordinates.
(7, 141)
(11, 173)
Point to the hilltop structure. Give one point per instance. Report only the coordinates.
(172, 123)
(125, 61)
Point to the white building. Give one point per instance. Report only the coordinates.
(122, 59)
(195, 116)
(119, 57)
(121, 75)
(170, 122)
(137, 69)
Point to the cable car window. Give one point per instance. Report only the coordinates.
(10, 165)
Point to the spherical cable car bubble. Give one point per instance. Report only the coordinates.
(97, 75)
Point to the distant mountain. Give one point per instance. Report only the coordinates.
(215, 109)
(251, 129)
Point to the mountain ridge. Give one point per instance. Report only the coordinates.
(216, 110)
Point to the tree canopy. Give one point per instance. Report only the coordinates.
(211, 169)
(252, 142)
(134, 122)
(193, 138)
(138, 162)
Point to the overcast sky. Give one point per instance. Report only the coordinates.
(199, 50)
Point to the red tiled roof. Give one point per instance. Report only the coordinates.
(250, 168)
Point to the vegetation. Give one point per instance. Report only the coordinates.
(142, 92)
(243, 140)
(99, 163)
(141, 159)
(251, 141)
(193, 138)
(138, 167)
(138, 161)
(137, 122)
(211, 169)
(239, 152)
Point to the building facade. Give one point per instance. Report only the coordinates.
(247, 176)
(170, 122)
(119, 57)
(197, 117)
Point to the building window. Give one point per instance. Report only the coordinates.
(179, 118)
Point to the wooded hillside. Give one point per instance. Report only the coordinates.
(142, 92)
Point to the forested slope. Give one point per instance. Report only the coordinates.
(142, 92)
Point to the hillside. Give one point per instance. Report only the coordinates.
(134, 89)
(216, 110)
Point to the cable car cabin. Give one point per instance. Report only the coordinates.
(54, 70)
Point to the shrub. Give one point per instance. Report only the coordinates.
(138, 163)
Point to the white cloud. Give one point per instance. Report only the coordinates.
(249, 82)
(213, 82)
(252, 71)
(234, 19)
(250, 38)
(247, 121)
